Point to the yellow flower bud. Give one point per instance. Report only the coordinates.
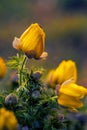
(66, 70)
(32, 42)
(3, 68)
(7, 120)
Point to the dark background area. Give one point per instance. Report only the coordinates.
(65, 25)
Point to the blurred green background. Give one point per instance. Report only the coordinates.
(65, 25)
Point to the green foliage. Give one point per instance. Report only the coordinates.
(33, 102)
(16, 61)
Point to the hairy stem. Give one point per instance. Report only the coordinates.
(22, 61)
(21, 70)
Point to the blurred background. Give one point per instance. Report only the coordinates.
(65, 25)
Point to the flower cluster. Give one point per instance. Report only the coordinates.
(33, 104)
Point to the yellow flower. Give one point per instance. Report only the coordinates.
(70, 95)
(32, 42)
(3, 68)
(7, 120)
(66, 70)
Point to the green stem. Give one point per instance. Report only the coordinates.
(51, 98)
(21, 70)
(54, 97)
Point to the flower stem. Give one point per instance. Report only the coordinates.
(22, 59)
(51, 98)
(21, 71)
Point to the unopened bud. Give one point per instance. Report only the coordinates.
(25, 128)
(11, 99)
(36, 94)
(36, 75)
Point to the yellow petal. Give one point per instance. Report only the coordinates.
(69, 101)
(74, 90)
(7, 120)
(72, 109)
(3, 68)
(65, 71)
(39, 48)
